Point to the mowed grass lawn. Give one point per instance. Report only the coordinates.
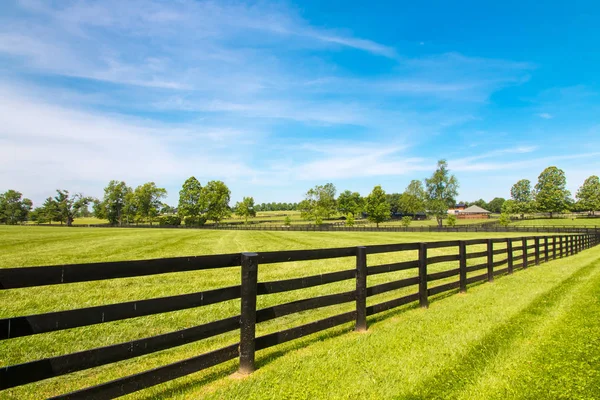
(559, 222)
(534, 334)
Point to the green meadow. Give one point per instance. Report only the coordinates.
(521, 336)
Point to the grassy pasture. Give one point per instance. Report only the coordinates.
(558, 222)
(29, 246)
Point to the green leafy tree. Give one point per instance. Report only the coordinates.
(377, 207)
(495, 205)
(522, 197)
(441, 190)
(504, 219)
(412, 201)
(350, 203)
(319, 203)
(451, 220)
(393, 200)
(406, 221)
(245, 208)
(287, 221)
(216, 196)
(68, 206)
(112, 205)
(551, 195)
(350, 221)
(147, 198)
(588, 195)
(191, 202)
(14, 208)
(49, 211)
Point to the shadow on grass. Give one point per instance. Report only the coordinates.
(263, 358)
(449, 383)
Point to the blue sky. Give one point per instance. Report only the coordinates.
(274, 98)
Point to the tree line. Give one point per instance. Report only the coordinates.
(198, 204)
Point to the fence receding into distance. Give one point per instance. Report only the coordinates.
(516, 253)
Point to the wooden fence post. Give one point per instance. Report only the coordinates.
(524, 241)
(248, 312)
(554, 247)
(546, 249)
(560, 241)
(361, 289)
(490, 260)
(423, 301)
(509, 254)
(537, 250)
(462, 254)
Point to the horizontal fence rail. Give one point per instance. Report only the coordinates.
(510, 253)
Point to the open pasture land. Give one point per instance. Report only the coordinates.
(560, 222)
(409, 354)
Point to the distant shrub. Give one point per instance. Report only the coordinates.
(169, 220)
(451, 220)
(194, 221)
(287, 221)
(350, 220)
(504, 219)
(406, 221)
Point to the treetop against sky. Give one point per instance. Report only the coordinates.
(275, 97)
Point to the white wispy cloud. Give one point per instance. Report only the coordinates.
(222, 89)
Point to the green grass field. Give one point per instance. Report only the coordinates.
(471, 346)
(559, 222)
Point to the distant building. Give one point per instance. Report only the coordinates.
(473, 212)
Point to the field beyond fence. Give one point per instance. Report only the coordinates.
(516, 253)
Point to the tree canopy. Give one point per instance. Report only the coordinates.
(588, 195)
(376, 207)
(112, 205)
(216, 195)
(14, 208)
(191, 203)
(551, 195)
(147, 201)
(319, 203)
(441, 191)
(350, 203)
(245, 208)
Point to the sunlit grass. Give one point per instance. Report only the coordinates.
(28, 246)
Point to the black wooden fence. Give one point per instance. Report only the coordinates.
(531, 251)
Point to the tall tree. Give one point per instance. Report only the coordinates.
(245, 208)
(551, 195)
(495, 205)
(13, 207)
(113, 203)
(393, 200)
(191, 203)
(68, 206)
(216, 195)
(319, 203)
(522, 197)
(412, 201)
(350, 203)
(521, 191)
(588, 195)
(441, 190)
(148, 202)
(50, 211)
(377, 208)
